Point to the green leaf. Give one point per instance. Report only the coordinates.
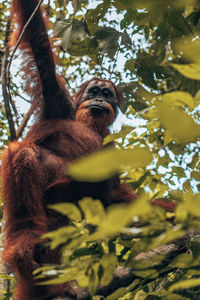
(182, 261)
(178, 123)
(166, 237)
(109, 264)
(6, 277)
(190, 205)
(93, 278)
(140, 295)
(146, 273)
(195, 175)
(61, 235)
(174, 296)
(67, 209)
(141, 4)
(44, 269)
(68, 275)
(195, 160)
(185, 284)
(179, 98)
(168, 138)
(114, 223)
(130, 65)
(71, 30)
(93, 16)
(188, 48)
(191, 71)
(64, 29)
(146, 263)
(107, 162)
(179, 172)
(93, 210)
(108, 40)
(121, 134)
(119, 293)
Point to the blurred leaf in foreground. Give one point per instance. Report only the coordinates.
(104, 164)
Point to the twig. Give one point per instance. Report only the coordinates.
(114, 64)
(28, 101)
(5, 86)
(188, 26)
(18, 42)
(25, 121)
(22, 33)
(18, 94)
(48, 7)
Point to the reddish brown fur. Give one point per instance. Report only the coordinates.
(82, 88)
(168, 206)
(33, 177)
(33, 170)
(100, 123)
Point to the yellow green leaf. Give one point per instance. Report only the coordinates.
(136, 174)
(194, 161)
(142, 264)
(93, 210)
(195, 175)
(151, 273)
(191, 71)
(68, 275)
(140, 295)
(166, 237)
(189, 48)
(178, 171)
(61, 235)
(185, 284)
(168, 138)
(107, 162)
(114, 223)
(68, 209)
(93, 278)
(122, 134)
(191, 204)
(109, 264)
(183, 260)
(179, 98)
(178, 123)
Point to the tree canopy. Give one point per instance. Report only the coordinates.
(151, 50)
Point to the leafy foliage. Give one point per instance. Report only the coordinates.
(151, 50)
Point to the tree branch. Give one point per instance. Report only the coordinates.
(25, 121)
(124, 277)
(5, 92)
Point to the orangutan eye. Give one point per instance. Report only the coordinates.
(93, 91)
(107, 93)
